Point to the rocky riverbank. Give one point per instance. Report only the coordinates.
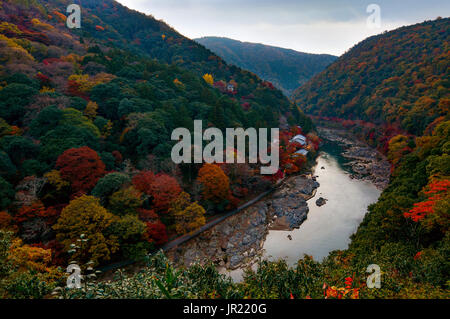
(288, 204)
(365, 162)
(238, 240)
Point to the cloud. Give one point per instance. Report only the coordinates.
(320, 26)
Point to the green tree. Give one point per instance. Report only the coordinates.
(6, 193)
(19, 148)
(46, 120)
(109, 184)
(13, 98)
(125, 201)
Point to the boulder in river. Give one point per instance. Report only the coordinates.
(321, 201)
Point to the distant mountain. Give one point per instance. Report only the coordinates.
(284, 68)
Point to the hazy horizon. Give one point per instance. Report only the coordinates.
(324, 26)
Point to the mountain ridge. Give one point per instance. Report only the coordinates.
(285, 68)
(398, 78)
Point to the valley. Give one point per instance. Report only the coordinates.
(288, 223)
(359, 169)
(285, 69)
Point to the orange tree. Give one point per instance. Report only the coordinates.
(25, 271)
(434, 211)
(215, 184)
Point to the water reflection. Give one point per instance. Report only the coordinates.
(328, 227)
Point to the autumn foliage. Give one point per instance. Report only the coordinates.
(85, 216)
(164, 189)
(26, 257)
(208, 78)
(36, 210)
(215, 184)
(6, 222)
(290, 162)
(346, 292)
(143, 181)
(82, 167)
(435, 209)
(187, 216)
(156, 233)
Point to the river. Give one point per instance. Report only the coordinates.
(330, 226)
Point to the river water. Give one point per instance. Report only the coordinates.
(328, 227)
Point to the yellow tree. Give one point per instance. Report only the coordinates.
(125, 201)
(208, 78)
(85, 216)
(54, 178)
(25, 257)
(180, 203)
(21, 259)
(190, 219)
(91, 110)
(187, 216)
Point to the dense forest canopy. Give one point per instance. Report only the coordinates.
(85, 172)
(393, 90)
(86, 117)
(398, 78)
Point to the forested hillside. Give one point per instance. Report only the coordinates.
(286, 69)
(399, 78)
(86, 117)
(393, 90)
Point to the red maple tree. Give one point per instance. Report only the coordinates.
(156, 233)
(164, 190)
(82, 167)
(421, 210)
(143, 181)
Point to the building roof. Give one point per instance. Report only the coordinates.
(302, 152)
(299, 139)
(299, 136)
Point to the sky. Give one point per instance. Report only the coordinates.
(314, 26)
